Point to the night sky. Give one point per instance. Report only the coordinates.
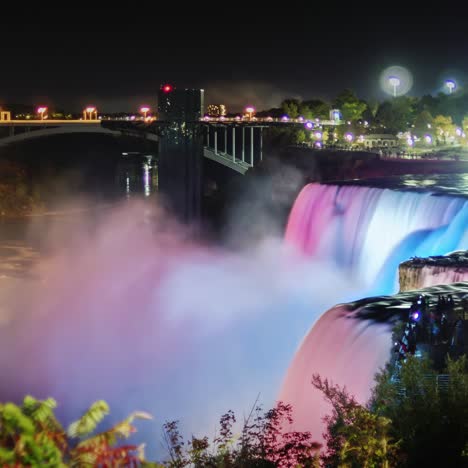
(239, 55)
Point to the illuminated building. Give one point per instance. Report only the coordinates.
(180, 104)
(216, 110)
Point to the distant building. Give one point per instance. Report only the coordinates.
(5, 115)
(379, 140)
(216, 110)
(180, 104)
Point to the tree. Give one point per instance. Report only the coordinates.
(396, 115)
(423, 123)
(30, 435)
(443, 127)
(350, 106)
(264, 442)
(291, 108)
(355, 436)
(465, 123)
(314, 109)
(300, 136)
(353, 111)
(430, 421)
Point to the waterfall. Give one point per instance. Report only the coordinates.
(369, 231)
(366, 232)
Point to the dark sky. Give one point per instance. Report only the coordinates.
(239, 54)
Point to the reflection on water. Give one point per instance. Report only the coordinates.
(137, 175)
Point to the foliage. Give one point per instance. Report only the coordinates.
(443, 126)
(423, 123)
(355, 436)
(263, 442)
(30, 435)
(423, 414)
(15, 196)
(396, 115)
(314, 109)
(351, 107)
(291, 108)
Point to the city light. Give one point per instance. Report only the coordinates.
(42, 111)
(458, 131)
(89, 113)
(285, 118)
(309, 125)
(144, 110)
(167, 88)
(451, 85)
(410, 141)
(250, 110)
(428, 139)
(318, 135)
(349, 137)
(394, 82)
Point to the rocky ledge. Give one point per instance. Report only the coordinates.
(419, 272)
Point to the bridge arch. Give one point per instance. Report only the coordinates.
(65, 129)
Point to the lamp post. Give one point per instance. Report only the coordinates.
(41, 111)
(144, 110)
(89, 112)
(451, 85)
(394, 82)
(250, 111)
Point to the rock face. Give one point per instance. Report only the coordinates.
(424, 272)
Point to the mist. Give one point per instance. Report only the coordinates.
(125, 307)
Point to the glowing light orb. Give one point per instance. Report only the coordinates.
(459, 132)
(309, 125)
(167, 88)
(349, 137)
(410, 142)
(428, 139)
(396, 81)
(318, 135)
(285, 118)
(451, 85)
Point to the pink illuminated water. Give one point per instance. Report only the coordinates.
(367, 232)
(127, 309)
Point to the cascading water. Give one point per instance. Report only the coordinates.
(367, 232)
(128, 311)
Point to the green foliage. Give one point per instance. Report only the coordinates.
(352, 108)
(291, 108)
(423, 123)
(425, 415)
(396, 115)
(88, 422)
(314, 109)
(355, 436)
(30, 435)
(300, 136)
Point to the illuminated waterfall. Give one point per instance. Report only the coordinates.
(367, 232)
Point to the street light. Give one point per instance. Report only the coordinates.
(89, 112)
(395, 82)
(144, 110)
(451, 85)
(349, 137)
(250, 111)
(41, 111)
